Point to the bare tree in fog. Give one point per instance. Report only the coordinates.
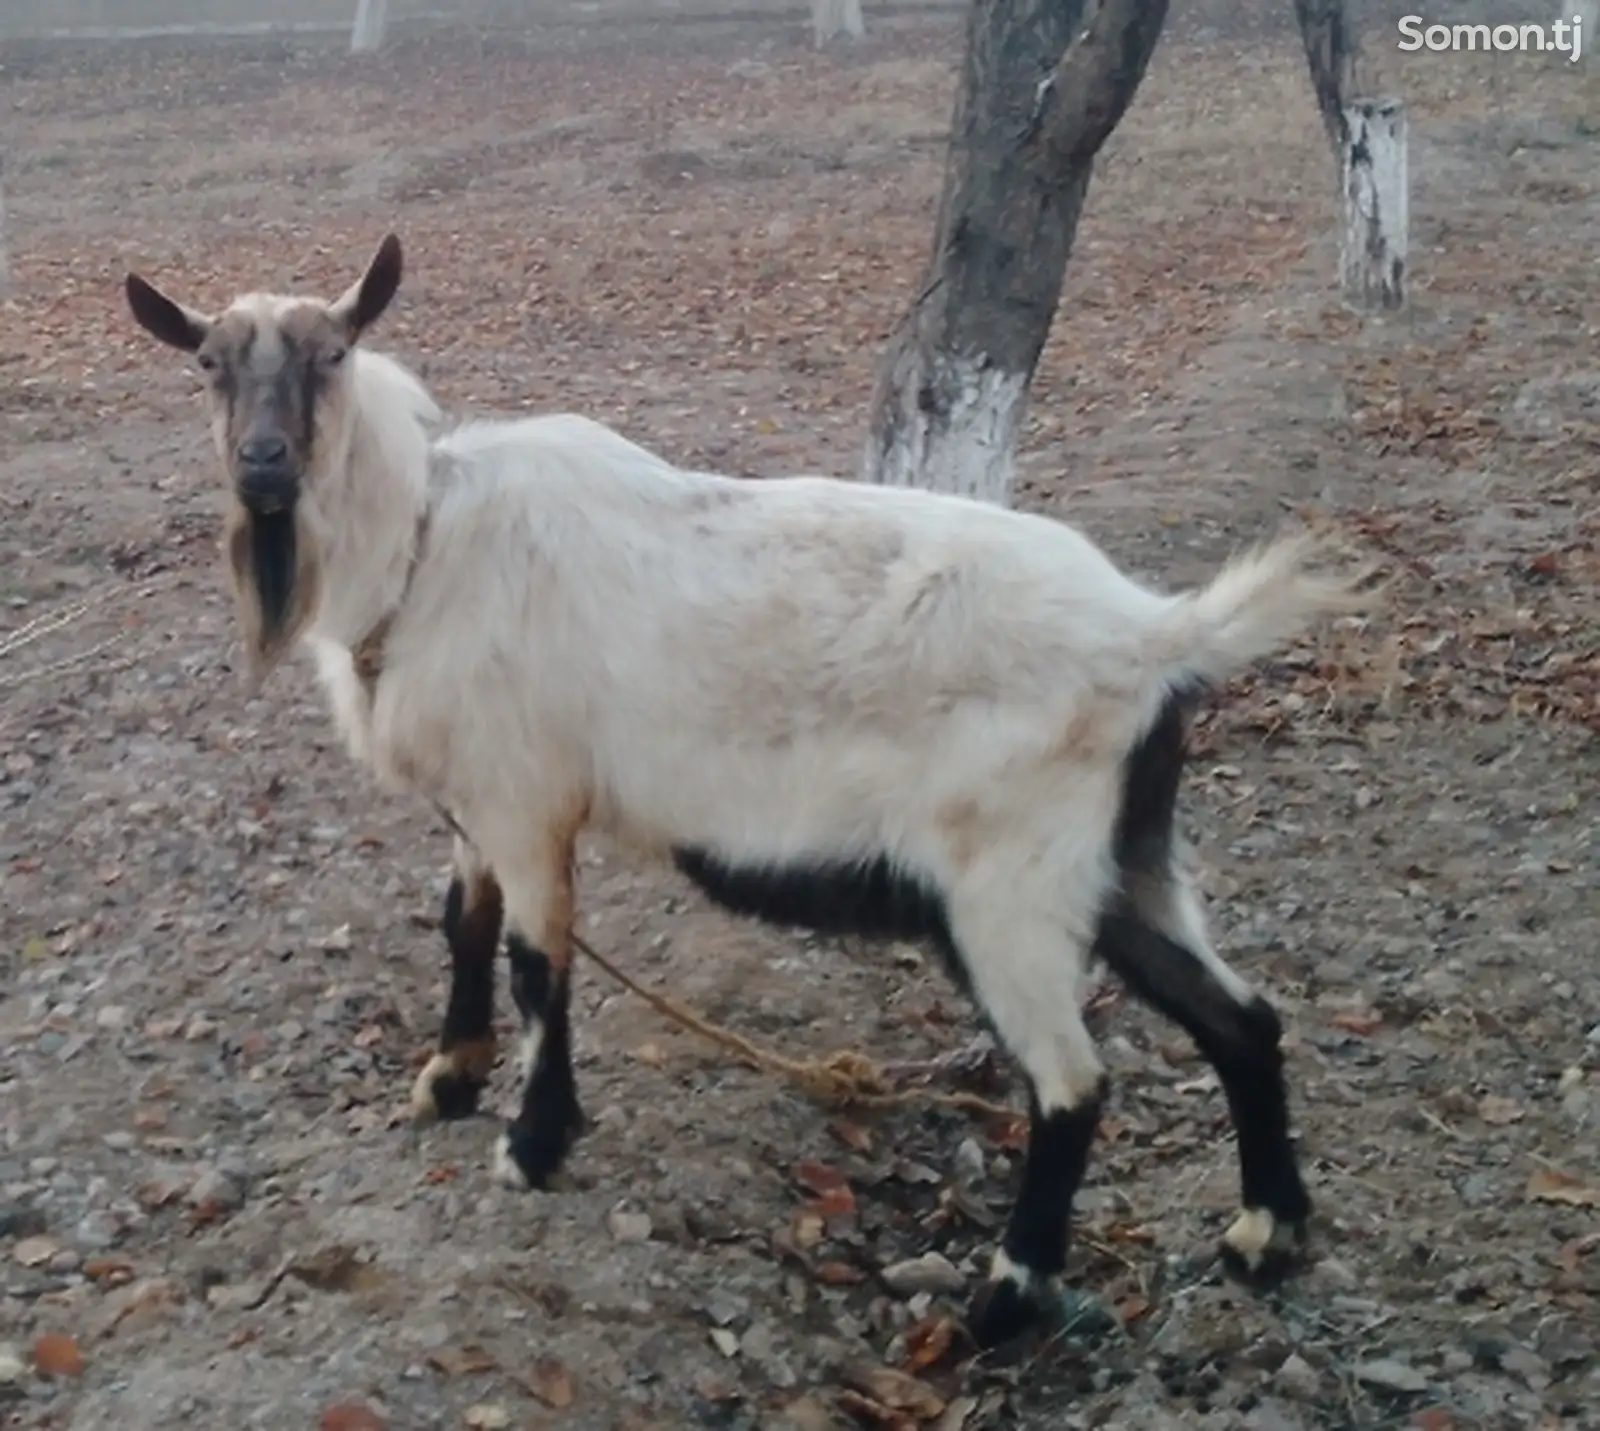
(5, 232)
(372, 18)
(1040, 93)
(1330, 43)
(836, 17)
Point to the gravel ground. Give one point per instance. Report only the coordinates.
(220, 965)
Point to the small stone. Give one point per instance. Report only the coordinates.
(119, 1142)
(13, 1370)
(1335, 1275)
(216, 1188)
(487, 1416)
(35, 1251)
(200, 1029)
(725, 1308)
(1392, 1375)
(630, 1226)
(1269, 1415)
(932, 1272)
(970, 1164)
(757, 1343)
(21, 1220)
(725, 1341)
(1297, 1378)
(112, 1017)
(1521, 1362)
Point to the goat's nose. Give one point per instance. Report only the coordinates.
(265, 455)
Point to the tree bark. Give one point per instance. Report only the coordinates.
(1376, 197)
(836, 17)
(366, 35)
(5, 234)
(1044, 84)
(1331, 49)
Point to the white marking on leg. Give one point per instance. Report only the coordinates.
(424, 1107)
(528, 1049)
(1171, 904)
(1003, 1269)
(503, 1167)
(1252, 1235)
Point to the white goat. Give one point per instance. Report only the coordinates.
(852, 707)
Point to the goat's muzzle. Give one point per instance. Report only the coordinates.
(265, 476)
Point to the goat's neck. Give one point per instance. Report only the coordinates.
(369, 527)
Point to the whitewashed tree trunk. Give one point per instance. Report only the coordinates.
(969, 445)
(1372, 260)
(1044, 84)
(836, 17)
(5, 234)
(372, 19)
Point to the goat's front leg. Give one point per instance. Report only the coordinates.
(455, 1076)
(540, 904)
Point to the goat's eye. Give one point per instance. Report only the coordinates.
(335, 356)
(207, 363)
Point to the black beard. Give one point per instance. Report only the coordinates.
(272, 558)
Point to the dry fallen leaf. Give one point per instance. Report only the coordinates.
(1548, 1185)
(351, 1416)
(855, 1137)
(1360, 1024)
(55, 1354)
(1433, 1419)
(894, 1389)
(839, 1274)
(551, 1383)
(806, 1230)
(462, 1361)
(114, 1270)
(864, 1408)
(335, 1269)
(1492, 1108)
(928, 1342)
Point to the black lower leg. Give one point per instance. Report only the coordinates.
(548, 1119)
(1239, 1040)
(472, 919)
(1035, 1245)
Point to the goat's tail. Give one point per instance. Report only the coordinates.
(1259, 601)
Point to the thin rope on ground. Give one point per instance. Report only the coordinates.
(844, 1077)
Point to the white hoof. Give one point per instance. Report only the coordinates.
(503, 1167)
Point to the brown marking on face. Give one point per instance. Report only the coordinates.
(276, 372)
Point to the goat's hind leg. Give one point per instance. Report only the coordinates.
(1028, 978)
(1155, 940)
(450, 1084)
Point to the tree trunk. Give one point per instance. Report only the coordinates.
(1373, 256)
(366, 35)
(836, 17)
(1040, 93)
(5, 234)
(1331, 50)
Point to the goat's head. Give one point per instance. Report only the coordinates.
(283, 418)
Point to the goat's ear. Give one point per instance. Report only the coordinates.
(164, 318)
(364, 301)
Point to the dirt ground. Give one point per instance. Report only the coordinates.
(219, 967)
